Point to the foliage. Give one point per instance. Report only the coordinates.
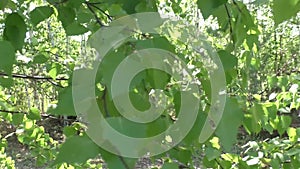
(43, 42)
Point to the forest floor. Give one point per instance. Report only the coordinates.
(23, 158)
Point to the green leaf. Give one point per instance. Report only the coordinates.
(17, 118)
(75, 29)
(108, 66)
(118, 162)
(40, 59)
(228, 60)
(146, 6)
(7, 56)
(40, 13)
(181, 154)
(116, 10)
(157, 126)
(69, 131)
(66, 15)
(34, 114)
(229, 63)
(285, 122)
(55, 70)
(156, 42)
(194, 133)
(252, 121)
(65, 104)
(6, 82)
(129, 5)
(158, 79)
(75, 3)
(77, 149)
(170, 166)
(84, 17)
(210, 164)
(292, 133)
(293, 151)
(231, 120)
(128, 127)
(285, 9)
(212, 153)
(140, 102)
(208, 6)
(3, 4)
(15, 30)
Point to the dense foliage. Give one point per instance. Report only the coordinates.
(42, 43)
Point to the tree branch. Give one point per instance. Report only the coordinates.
(13, 112)
(31, 77)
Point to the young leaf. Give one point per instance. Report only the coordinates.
(15, 30)
(40, 13)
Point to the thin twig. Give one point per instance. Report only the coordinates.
(95, 15)
(230, 24)
(101, 10)
(13, 112)
(55, 84)
(31, 77)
